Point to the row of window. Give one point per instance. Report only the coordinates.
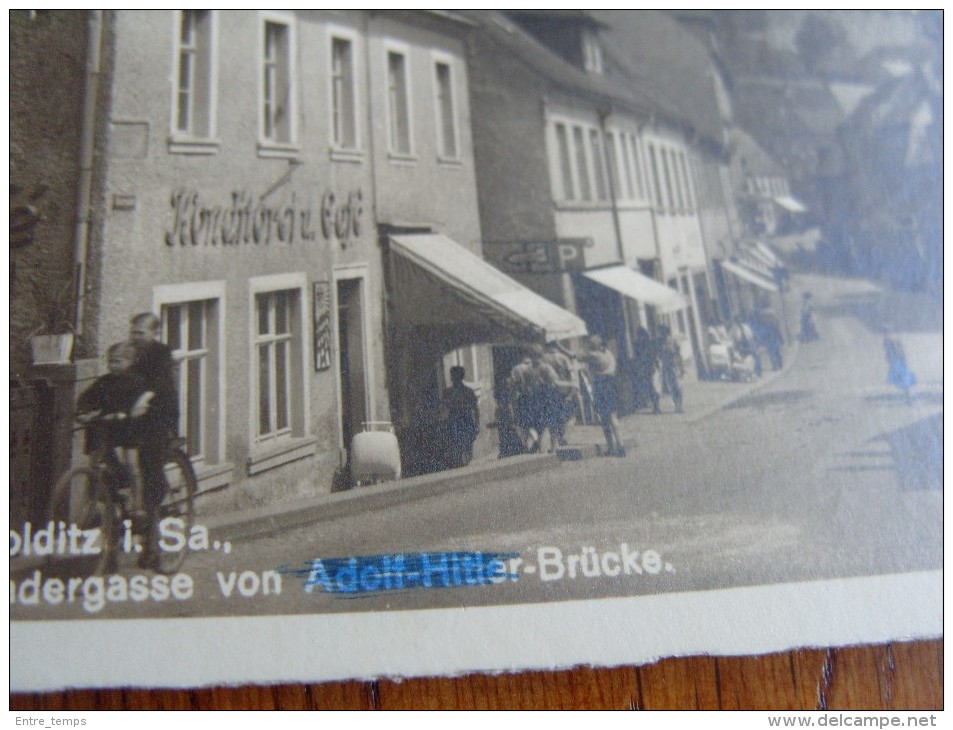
(656, 173)
(194, 101)
(193, 330)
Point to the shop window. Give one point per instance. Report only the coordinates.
(446, 114)
(343, 94)
(191, 317)
(278, 401)
(194, 95)
(274, 337)
(277, 90)
(398, 107)
(186, 332)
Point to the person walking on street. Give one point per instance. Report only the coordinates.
(462, 414)
(899, 374)
(511, 443)
(808, 328)
(644, 365)
(670, 362)
(771, 337)
(602, 367)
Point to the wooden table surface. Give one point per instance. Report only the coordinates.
(897, 676)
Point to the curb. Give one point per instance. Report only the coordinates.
(260, 522)
(268, 520)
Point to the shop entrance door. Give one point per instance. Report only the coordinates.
(352, 357)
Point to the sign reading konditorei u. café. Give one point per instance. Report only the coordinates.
(246, 219)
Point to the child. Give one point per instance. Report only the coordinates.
(111, 403)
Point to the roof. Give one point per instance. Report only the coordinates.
(623, 85)
(667, 63)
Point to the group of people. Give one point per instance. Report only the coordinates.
(661, 356)
(544, 392)
(135, 405)
(735, 351)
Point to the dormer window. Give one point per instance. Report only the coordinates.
(591, 53)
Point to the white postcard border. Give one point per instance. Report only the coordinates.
(606, 632)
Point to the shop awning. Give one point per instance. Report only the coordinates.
(790, 204)
(770, 255)
(749, 275)
(438, 282)
(753, 259)
(638, 287)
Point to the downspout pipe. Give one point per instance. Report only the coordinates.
(87, 140)
(604, 114)
(607, 163)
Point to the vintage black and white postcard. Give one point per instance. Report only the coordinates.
(352, 343)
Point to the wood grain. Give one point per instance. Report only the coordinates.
(897, 676)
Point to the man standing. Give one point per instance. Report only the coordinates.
(564, 406)
(670, 362)
(602, 367)
(461, 409)
(153, 364)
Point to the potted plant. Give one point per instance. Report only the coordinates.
(52, 341)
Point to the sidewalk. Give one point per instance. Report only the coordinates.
(702, 398)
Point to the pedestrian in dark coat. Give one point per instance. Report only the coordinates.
(460, 407)
(153, 365)
(644, 365)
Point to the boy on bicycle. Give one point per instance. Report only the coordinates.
(110, 405)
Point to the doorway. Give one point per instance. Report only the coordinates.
(352, 357)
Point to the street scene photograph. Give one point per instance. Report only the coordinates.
(320, 312)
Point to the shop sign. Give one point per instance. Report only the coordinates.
(250, 220)
(538, 256)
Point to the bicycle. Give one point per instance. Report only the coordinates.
(105, 504)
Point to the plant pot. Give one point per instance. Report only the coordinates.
(52, 349)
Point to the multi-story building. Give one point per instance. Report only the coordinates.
(586, 182)
(281, 188)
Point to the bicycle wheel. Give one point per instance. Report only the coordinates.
(81, 507)
(175, 511)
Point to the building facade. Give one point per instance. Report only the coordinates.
(246, 164)
(586, 184)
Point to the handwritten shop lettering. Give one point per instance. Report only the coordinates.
(246, 220)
